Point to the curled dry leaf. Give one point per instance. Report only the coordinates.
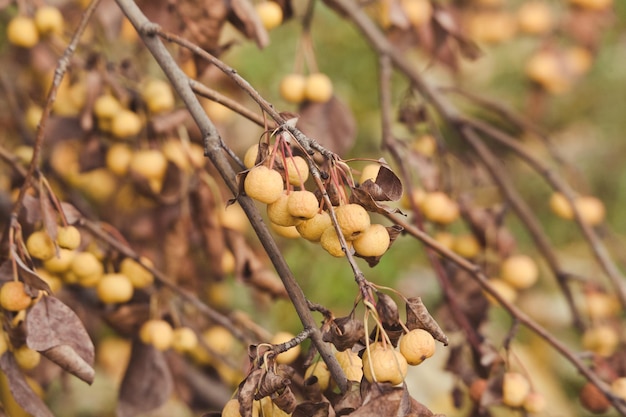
(286, 400)
(244, 17)
(344, 332)
(13, 386)
(57, 332)
(386, 187)
(365, 199)
(147, 383)
(31, 279)
(387, 310)
(312, 409)
(350, 401)
(386, 400)
(271, 383)
(247, 391)
(418, 317)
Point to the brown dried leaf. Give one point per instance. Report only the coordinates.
(49, 214)
(312, 409)
(71, 213)
(57, 332)
(32, 208)
(12, 379)
(331, 124)
(245, 18)
(203, 22)
(350, 400)
(147, 383)
(381, 400)
(386, 187)
(286, 400)
(387, 310)
(418, 317)
(445, 21)
(344, 332)
(270, 383)
(364, 198)
(247, 391)
(30, 278)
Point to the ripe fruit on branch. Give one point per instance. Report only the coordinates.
(158, 95)
(591, 209)
(138, 276)
(270, 13)
(477, 389)
(13, 296)
(382, 363)
(601, 339)
(353, 220)
(114, 288)
(125, 124)
(331, 244)
(87, 268)
(546, 69)
(292, 88)
(312, 229)
(520, 271)
(68, 237)
(438, 207)
(515, 388)
(417, 346)
(418, 12)
(297, 170)
(22, 31)
(118, 158)
(106, 107)
(369, 172)
(61, 263)
(535, 17)
(466, 245)
(372, 242)
(425, 144)
(319, 88)
(158, 333)
(233, 217)
(26, 357)
(185, 156)
(263, 184)
(502, 288)
(249, 158)
(290, 355)
(302, 204)
(49, 19)
(40, 245)
(534, 402)
(351, 364)
(278, 212)
(184, 339)
(320, 371)
(149, 163)
(289, 232)
(231, 409)
(618, 387)
(599, 305)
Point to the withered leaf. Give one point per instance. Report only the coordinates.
(57, 332)
(32, 208)
(270, 383)
(344, 333)
(418, 317)
(312, 409)
(387, 310)
(147, 383)
(350, 400)
(331, 124)
(245, 18)
(71, 213)
(444, 20)
(382, 400)
(247, 391)
(286, 400)
(386, 187)
(30, 277)
(49, 214)
(12, 378)
(365, 199)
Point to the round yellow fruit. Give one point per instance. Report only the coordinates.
(125, 124)
(535, 17)
(591, 209)
(466, 245)
(61, 263)
(418, 12)
(297, 170)
(13, 296)
(158, 95)
(319, 370)
(319, 88)
(602, 339)
(384, 364)
(118, 158)
(68, 237)
(149, 163)
(86, 266)
(515, 388)
(351, 364)
(24, 154)
(139, 276)
(289, 232)
(502, 288)
(425, 144)
(233, 217)
(106, 106)
(33, 116)
(302, 204)
(600, 305)
(312, 229)
(219, 339)
(534, 402)
(353, 220)
(231, 408)
(545, 69)
(49, 19)
(290, 355)
(520, 271)
(278, 212)
(26, 357)
(292, 88)
(372, 242)
(270, 13)
(184, 339)
(438, 207)
(53, 280)
(330, 242)
(250, 157)
(114, 289)
(158, 333)
(264, 184)
(369, 172)
(22, 31)
(618, 387)
(417, 346)
(40, 245)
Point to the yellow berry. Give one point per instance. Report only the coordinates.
(591, 209)
(535, 17)
(219, 339)
(440, 208)
(466, 245)
(319, 370)
(502, 288)
(264, 184)
(425, 145)
(292, 88)
(40, 245)
(319, 88)
(22, 31)
(158, 95)
(149, 163)
(106, 106)
(515, 388)
(114, 289)
(270, 13)
(372, 242)
(312, 229)
(26, 357)
(33, 116)
(417, 346)
(353, 220)
(289, 232)
(602, 339)
(68, 237)
(534, 402)
(520, 271)
(86, 266)
(126, 124)
(618, 387)
(249, 158)
(418, 12)
(53, 280)
(61, 263)
(158, 333)
(331, 244)
(139, 276)
(297, 170)
(184, 339)
(290, 355)
(13, 296)
(351, 364)
(370, 172)
(118, 158)
(302, 204)
(231, 408)
(49, 19)
(384, 364)
(278, 212)
(233, 217)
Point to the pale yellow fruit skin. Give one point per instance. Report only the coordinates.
(85, 264)
(302, 204)
(372, 242)
(534, 402)
(158, 333)
(418, 12)
(292, 88)
(118, 158)
(13, 296)
(53, 280)
(231, 408)
(504, 289)
(219, 339)
(297, 170)
(439, 208)
(184, 339)
(319, 88)
(369, 172)
(149, 163)
(384, 364)
(466, 245)
(599, 306)
(26, 357)
(270, 13)
(591, 210)
(22, 31)
(61, 263)
(535, 17)
(278, 212)
(49, 19)
(139, 276)
(515, 388)
(68, 237)
(158, 96)
(425, 145)
(106, 106)
(520, 271)
(33, 116)
(353, 220)
(313, 228)
(40, 245)
(233, 217)
(331, 244)
(290, 355)
(249, 158)
(320, 370)
(417, 346)
(263, 184)
(351, 364)
(114, 288)
(289, 232)
(601, 339)
(126, 124)
(618, 387)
